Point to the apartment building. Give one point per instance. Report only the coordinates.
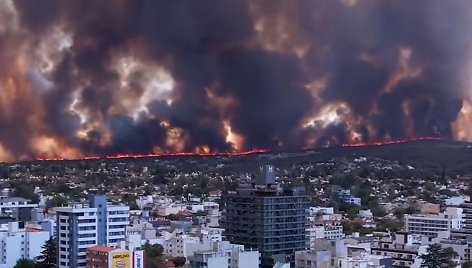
(325, 231)
(184, 245)
(341, 253)
(19, 242)
(431, 224)
(345, 196)
(225, 256)
(465, 231)
(77, 230)
(403, 248)
(17, 207)
(181, 245)
(262, 216)
(313, 259)
(112, 221)
(81, 226)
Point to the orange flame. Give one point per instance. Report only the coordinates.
(242, 153)
(138, 156)
(389, 142)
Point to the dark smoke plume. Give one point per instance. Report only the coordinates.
(86, 77)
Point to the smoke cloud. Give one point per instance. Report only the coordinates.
(84, 77)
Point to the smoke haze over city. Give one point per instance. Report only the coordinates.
(83, 77)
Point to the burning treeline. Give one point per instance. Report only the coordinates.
(88, 78)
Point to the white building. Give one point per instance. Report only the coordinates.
(20, 243)
(403, 248)
(313, 259)
(8, 204)
(143, 201)
(112, 220)
(81, 226)
(17, 207)
(321, 211)
(365, 214)
(76, 231)
(144, 229)
(340, 253)
(456, 200)
(430, 224)
(327, 231)
(225, 256)
(182, 245)
(116, 223)
(211, 208)
(173, 208)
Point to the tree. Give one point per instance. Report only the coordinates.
(400, 212)
(173, 217)
(467, 264)
(56, 201)
(153, 255)
(179, 261)
(48, 257)
(378, 211)
(25, 263)
(384, 225)
(26, 191)
(352, 212)
(438, 257)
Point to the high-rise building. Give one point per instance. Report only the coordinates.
(267, 218)
(112, 220)
(76, 231)
(81, 226)
(465, 230)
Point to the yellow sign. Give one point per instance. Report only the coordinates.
(120, 260)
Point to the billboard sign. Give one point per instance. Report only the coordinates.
(120, 260)
(138, 259)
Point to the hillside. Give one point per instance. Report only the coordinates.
(434, 156)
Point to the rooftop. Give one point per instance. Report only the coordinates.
(13, 199)
(101, 248)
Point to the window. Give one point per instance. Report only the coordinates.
(87, 228)
(87, 242)
(86, 235)
(87, 221)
